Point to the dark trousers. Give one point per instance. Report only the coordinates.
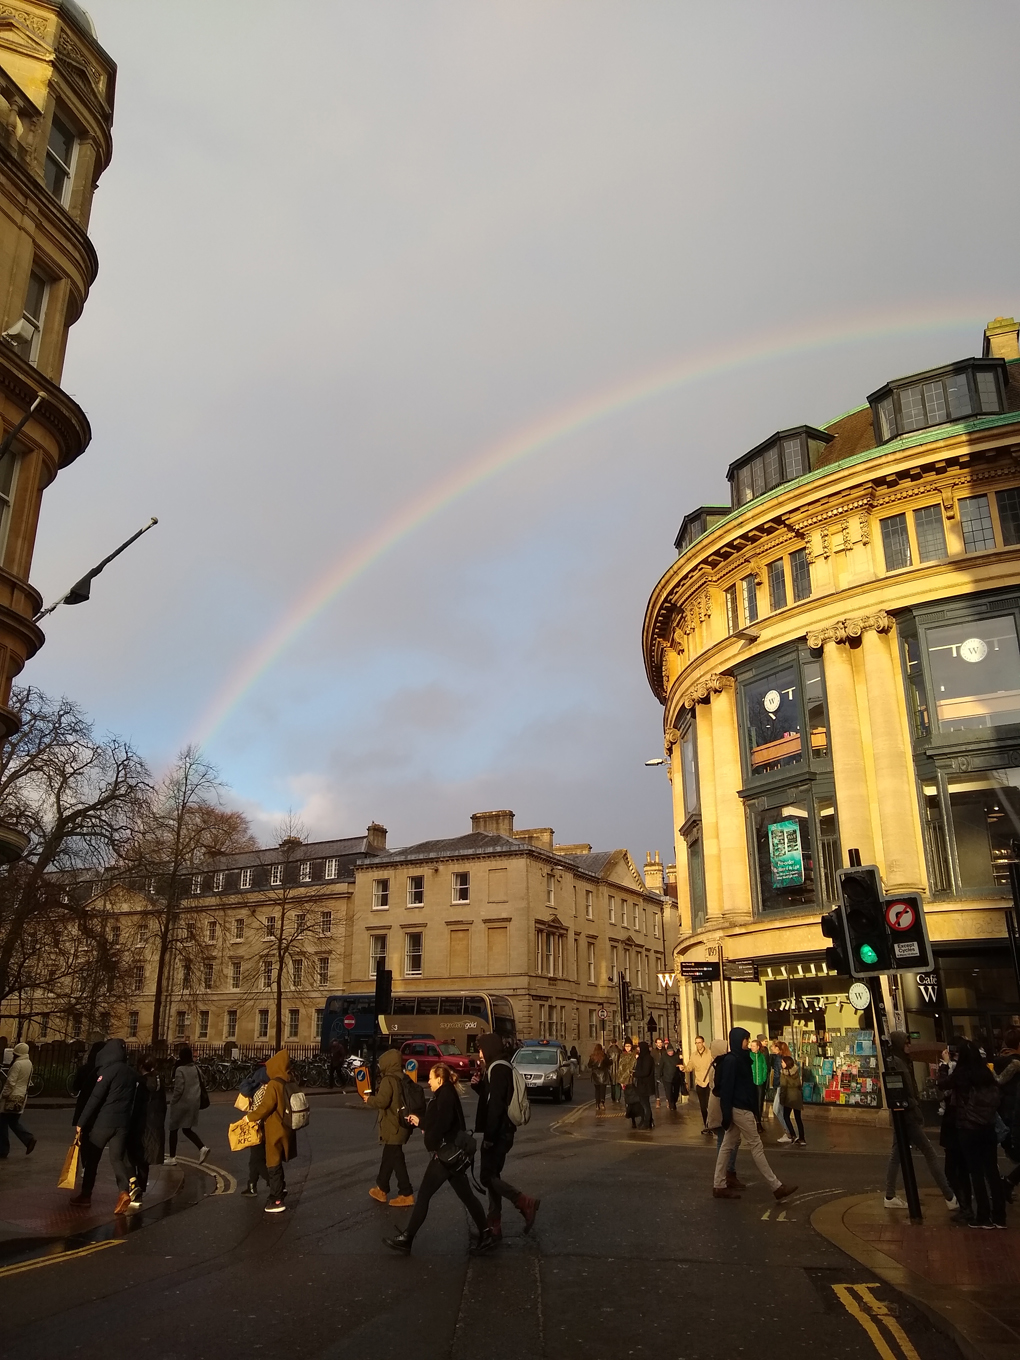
(11, 1123)
(91, 1155)
(789, 1122)
(980, 1151)
(277, 1182)
(436, 1176)
(703, 1093)
(645, 1103)
(257, 1169)
(674, 1089)
(490, 1174)
(956, 1172)
(599, 1087)
(393, 1164)
(760, 1092)
(188, 1133)
(141, 1177)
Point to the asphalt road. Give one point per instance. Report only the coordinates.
(630, 1257)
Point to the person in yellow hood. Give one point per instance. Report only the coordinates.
(273, 1113)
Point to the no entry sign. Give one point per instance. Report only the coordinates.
(349, 1022)
(900, 915)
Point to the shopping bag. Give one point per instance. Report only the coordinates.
(70, 1172)
(242, 1103)
(244, 1134)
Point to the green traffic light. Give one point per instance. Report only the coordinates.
(867, 954)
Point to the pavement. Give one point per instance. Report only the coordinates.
(630, 1257)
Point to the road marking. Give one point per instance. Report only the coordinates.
(225, 1182)
(766, 1214)
(56, 1259)
(870, 1312)
(781, 1218)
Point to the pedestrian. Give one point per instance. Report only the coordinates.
(679, 1088)
(779, 1050)
(668, 1071)
(257, 1169)
(497, 1131)
(337, 1058)
(625, 1070)
(644, 1083)
(1007, 1074)
(575, 1058)
(899, 1061)
(975, 1095)
(600, 1068)
(13, 1095)
(106, 1121)
(280, 1140)
(614, 1053)
(84, 1079)
(657, 1048)
(185, 1103)
(734, 1085)
(954, 1165)
(718, 1050)
(388, 1099)
(148, 1127)
(443, 1121)
(701, 1065)
(760, 1069)
(791, 1097)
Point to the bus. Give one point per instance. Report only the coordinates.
(459, 1016)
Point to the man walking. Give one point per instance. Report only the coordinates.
(493, 1122)
(106, 1122)
(614, 1053)
(393, 1134)
(738, 1097)
(701, 1065)
(914, 1123)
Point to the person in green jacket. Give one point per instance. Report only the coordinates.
(760, 1068)
(393, 1134)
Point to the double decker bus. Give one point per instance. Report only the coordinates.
(460, 1017)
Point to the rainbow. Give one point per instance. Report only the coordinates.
(514, 448)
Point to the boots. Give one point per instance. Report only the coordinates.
(527, 1207)
(486, 1242)
(494, 1224)
(401, 1243)
(732, 1183)
(783, 1191)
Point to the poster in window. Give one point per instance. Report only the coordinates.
(786, 855)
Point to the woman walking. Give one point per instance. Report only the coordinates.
(148, 1128)
(625, 1076)
(185, 1103)
(444, 1120)
(13, 1095)
(791, 1099)
(976, 1102)
(644, 1081)
(600, 1068)
(280, 1139)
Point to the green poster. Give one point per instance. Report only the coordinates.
(785, 854)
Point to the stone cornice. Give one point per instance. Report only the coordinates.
(702, 692)
(849, 630)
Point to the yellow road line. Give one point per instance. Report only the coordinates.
(57, 1258)
(869, 1324)
(882, 1310)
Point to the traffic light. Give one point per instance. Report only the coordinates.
(837, 956)
(864, 913)
(624, 1000)
(383, 988)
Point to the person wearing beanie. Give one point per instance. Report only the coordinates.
(497, 1129)
(734, 1085)
(13, 1095)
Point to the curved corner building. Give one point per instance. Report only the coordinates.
(56, 114)
(836, 650)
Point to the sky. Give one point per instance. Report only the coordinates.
(420, 326)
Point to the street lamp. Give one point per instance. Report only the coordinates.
(657, 761)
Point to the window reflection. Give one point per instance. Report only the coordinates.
(773, 721)
(985, 810)
(975, 667)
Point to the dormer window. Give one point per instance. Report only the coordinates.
(698, 522)
(973, 387)
(786, 456)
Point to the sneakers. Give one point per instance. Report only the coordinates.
(169, 1161)
(953, 1203)
(252, 1188)
(785, 1139)
(988, 1226)
(495, 1226)
(402, 1202)
(123, 1202)
(784, 1191)
(527, 1207)
(379, 1195)
(485, 1243)
(275, 1206)
(894, 1202)
(30, 1146)
(401, 1243)
(203, 1153)
(724, 1192)
(801, 1142)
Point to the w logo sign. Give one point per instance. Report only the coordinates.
(666, 980)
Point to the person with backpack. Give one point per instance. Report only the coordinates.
(13, 1095)
(445, 1135)
(106, 1121)
(502, 1105)
(394, 1132)
(273, 1111)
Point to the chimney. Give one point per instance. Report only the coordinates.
(375, 839)
(541, 837)
(495, 823)
(654, 877)
(1001, 339)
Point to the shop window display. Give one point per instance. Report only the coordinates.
(974, 667)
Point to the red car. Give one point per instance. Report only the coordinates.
(427, 1052)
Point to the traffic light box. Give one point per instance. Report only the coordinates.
(837, 956)
(867, 935)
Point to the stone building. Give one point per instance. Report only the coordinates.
(836, 653)
(56, 112)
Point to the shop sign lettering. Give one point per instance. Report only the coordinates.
(928, 986)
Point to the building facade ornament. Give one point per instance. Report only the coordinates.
(849, 630)
(702, 692)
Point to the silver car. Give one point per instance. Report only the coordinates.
(546, 1068)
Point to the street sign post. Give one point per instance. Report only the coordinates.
(700, 972)
(740, 970)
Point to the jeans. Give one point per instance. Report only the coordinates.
(918, 1139)
(10, 1122)
(490, 1173)
(979, 1150)
(789, 1122)
(92, 1153)
(436, 1176)
(188, 1133)
(393, 1164)
(743, 1125)
(674, 1089)
(731, 1165)
(703, 1094)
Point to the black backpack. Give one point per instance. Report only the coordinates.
(412, 1100)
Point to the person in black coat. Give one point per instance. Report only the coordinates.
(444, 1120)
(495, 1091)
(84, 1080)
(148, 1128)
(106, 1122)
(644, 1080)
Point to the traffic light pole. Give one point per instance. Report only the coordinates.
(899, 1116)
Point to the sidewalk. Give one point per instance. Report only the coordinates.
(969, 1280)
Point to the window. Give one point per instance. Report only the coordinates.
(196, 883)
(614, 962)
(791, 872)
(542, 1034)
(297, 972)
(788, 456)
(655, 925)
(115, 933)
(800, 574)
(732, 615)
(59, 166)
(462, 887)
(689, 766)
(275, 875)
(592, 1030)
(299, 923)
(181, 1026)
(324, 971)
(612, 910)
(591, 960)
(325, 923)
(332, 868)
(1008, 503)
(132, 1024)
(32, 317)
(550, 954)
(413, 940)
(269, 928)
(380, 894)
(574, 895)
(930, 533)
(376, 953)
(235, 975)
(305, 872)
(416, 890)
(231, 1025)
(238, 927)
(749, 597)
(623, 911)
(262, 1027)
(950, 395)
(771, 712)
(138, 977)
(976, 523)
(974, 667)
(626, 964)
(776, 575)
(219, 881)
(696, 880)
(267, 973)
(319, 1016)
(207, 976)
(550, 890)
(211, 931)
(293, 1024)
(589, 905)
(577, 966)
(895, 542)
(244, 880)
(203, 1024)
